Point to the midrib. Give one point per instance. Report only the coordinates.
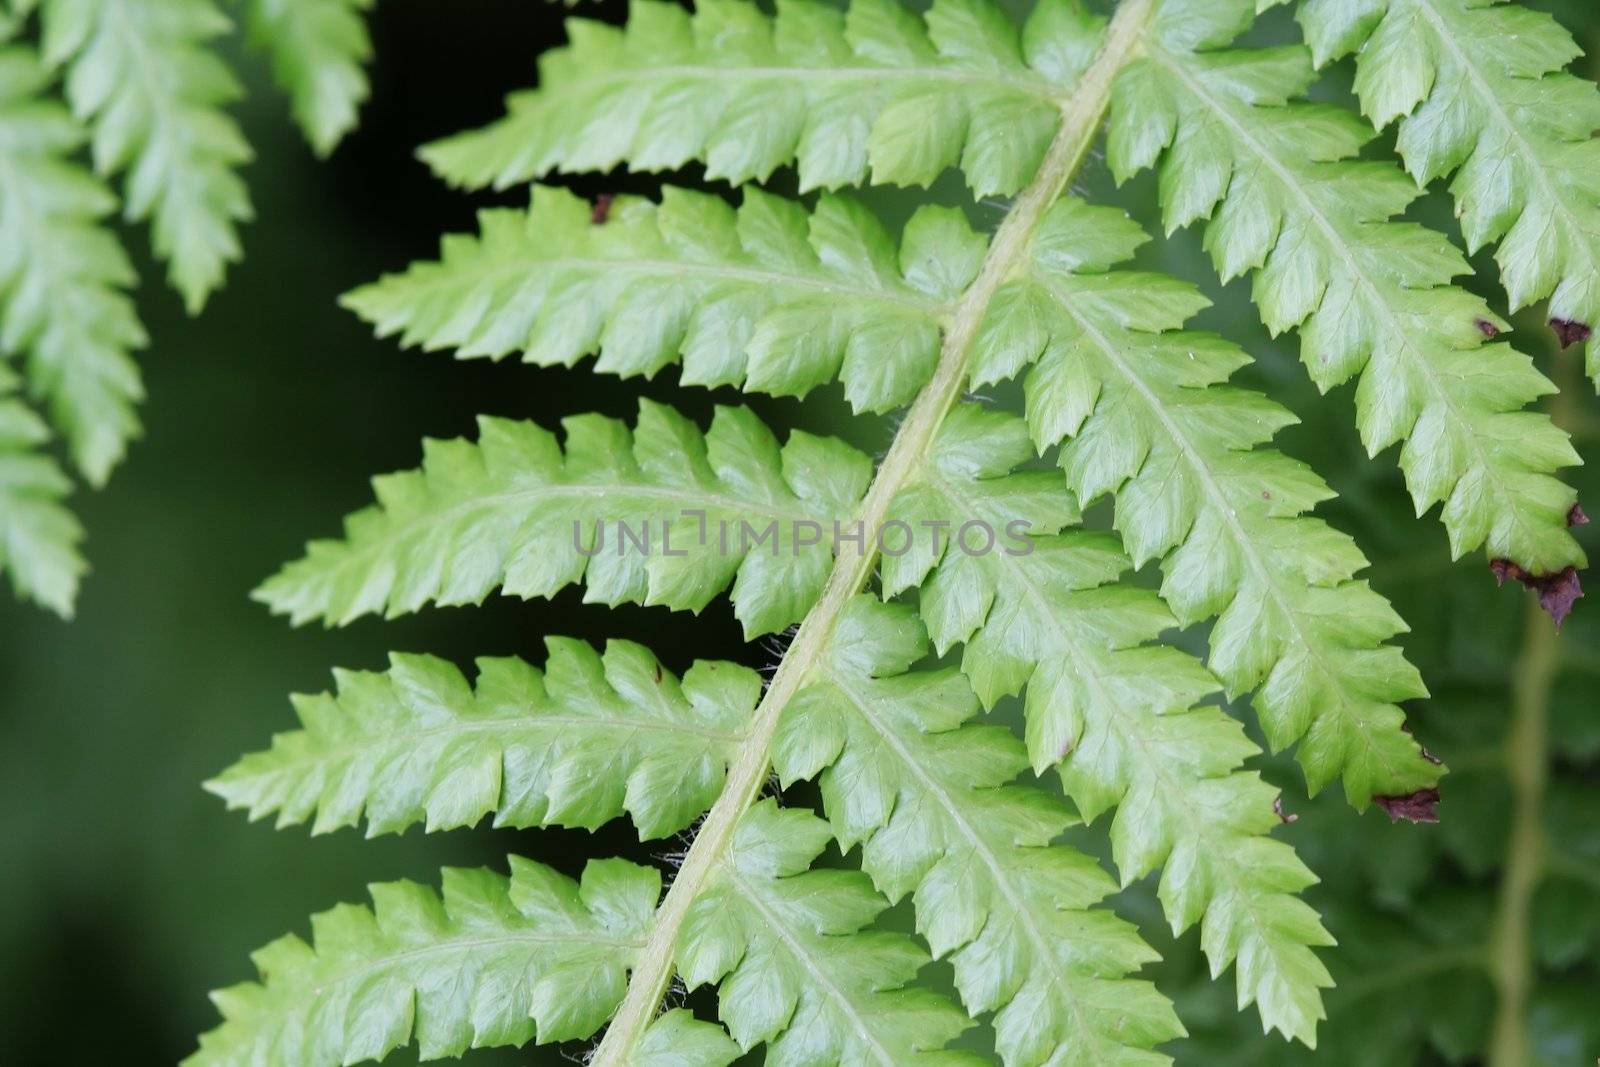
(1039, 88)
(1081, 117)
(678, 270)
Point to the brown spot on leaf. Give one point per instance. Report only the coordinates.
(1576, 517)
(1421, 806)
(1277, 809)
(1570, 332)
(1557, 592)
(602, 209)
(1487, 328)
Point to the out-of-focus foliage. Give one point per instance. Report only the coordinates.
(93, 90)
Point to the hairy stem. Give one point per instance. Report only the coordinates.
(1527, 761)
(1082, 115)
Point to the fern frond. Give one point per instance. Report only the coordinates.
(789, 945)
(319, 50)
(874, 91)
(576, 745)
(1117, 713)
(794, 966)
(765, 297)
(63, 274)
(1371, 296)
(707, 272)
(143, 75)
(489, 961)
(516, 512)
(1480, 90)
(1152, 422)
(930, 798)
(39, 537)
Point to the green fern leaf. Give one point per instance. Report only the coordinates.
(697, 265)
(492, 961)
(38, 536)
(929, 796)
(737, 509)
(874, 91)
(766, 298)
(62, 274)
(589, 738)
(1151, 422)
(790, 947)
(142, 74)
(795, 969)
(678, 1039)
(1480, 91)
(1371, 297)
(1116, 713)
(318, 50)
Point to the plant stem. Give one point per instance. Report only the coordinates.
(1082, 114)
(1527, 761)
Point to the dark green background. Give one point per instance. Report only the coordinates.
(125, 891)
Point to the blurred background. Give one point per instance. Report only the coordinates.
(127, 892)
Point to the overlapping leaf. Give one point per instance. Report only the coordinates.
(1148, 417)
(39, 537)
(1480, 90)
(1371, 296)
(873, 92)
(1426, 943)
(575, 745)
(143, 75)
(767, 297)
(1117, 713)
(517, 511)
(492, 961)
(63, 274)
(794, 967)
(930, 798)
(319, 49)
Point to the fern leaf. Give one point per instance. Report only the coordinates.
(1118, 714)
(492, 961)
(141, 72)
(521, 285)
(795, 969)
(39, 537)
(1151, 421)
(929, 796)
(516, 512)
(319, 49)
(63, 274)
(577, 745)
(871, 92)
(1371, 296)
(765, 297)
(1480, 91)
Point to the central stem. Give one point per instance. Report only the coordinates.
(1081, 116)
(1527, 756)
